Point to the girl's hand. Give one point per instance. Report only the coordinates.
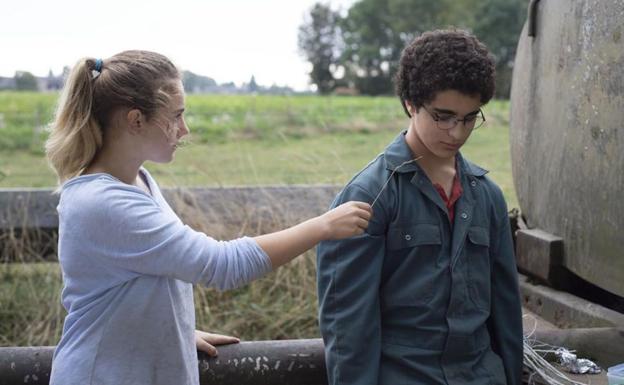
(206, 341)
(347, 220)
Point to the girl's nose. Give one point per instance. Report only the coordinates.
(183, 129)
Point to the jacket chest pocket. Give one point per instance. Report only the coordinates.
(409, 266)
(477, 251)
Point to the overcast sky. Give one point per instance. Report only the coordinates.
(228, 40)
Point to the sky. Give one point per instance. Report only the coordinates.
(228, 40)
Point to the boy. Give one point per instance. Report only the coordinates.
(429, 293)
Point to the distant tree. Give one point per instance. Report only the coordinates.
(66, 71)
(319, 43)
(194, 83)
(252, 86)
(375, 33)
(498, 24)
(367, 36)
(25, 81)
(366, 44)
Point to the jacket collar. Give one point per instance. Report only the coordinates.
(469, 168)
(399, 152)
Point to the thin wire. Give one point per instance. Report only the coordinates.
(390, 177)
(538, 366)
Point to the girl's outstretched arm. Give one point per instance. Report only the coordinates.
(344, 221)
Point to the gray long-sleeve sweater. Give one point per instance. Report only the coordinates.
(128, 266)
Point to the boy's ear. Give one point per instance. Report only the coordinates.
(135, 121)
(410, 108)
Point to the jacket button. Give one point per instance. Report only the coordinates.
(408, 237)
(473, 183)
(464, 215)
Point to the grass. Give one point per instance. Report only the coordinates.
(237, 140)
(30, 310)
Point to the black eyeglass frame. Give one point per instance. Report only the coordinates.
(436, 118)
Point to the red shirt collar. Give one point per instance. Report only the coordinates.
(456, 192)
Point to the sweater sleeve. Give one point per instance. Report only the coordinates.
(129, 230)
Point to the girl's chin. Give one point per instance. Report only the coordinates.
(163, 159)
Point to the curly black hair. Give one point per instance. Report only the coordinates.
(450, 59)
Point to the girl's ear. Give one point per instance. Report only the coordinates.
(135, 121)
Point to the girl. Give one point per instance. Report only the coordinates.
(128, 262)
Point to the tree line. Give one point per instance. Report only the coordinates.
(359, 49)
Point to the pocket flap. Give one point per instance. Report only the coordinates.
(479, 236)
(413, 235)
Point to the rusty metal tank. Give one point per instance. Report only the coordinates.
(567, 132)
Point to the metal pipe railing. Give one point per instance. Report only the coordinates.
(286, 362)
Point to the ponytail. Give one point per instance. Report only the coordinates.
(94, 90)
(75, 136)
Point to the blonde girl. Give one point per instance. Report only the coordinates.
(128, 261)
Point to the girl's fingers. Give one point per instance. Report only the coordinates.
(206, 347)
(205, 341)
(362, 224)
(362, 205)
(366, 214)
(220, 339)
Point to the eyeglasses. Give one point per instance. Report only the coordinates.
(448, 121)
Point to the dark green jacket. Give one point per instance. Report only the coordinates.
(414, 300)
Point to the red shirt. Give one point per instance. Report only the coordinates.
(456, 192)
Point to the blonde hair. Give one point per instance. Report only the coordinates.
(130, 79)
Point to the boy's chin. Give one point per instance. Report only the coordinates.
(446, 154)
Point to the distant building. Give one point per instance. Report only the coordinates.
(44, 84)
(53, 83)
(7, 83)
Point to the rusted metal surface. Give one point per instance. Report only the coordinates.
(294, 362)
(567, 133)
